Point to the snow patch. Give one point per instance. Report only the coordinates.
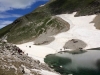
(27, 71)
(37, 52)
(42, 5)
(45, 72)
(81, 28)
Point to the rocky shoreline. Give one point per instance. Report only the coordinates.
(13, 61)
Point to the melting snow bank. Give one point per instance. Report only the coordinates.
(81, 28)
(42, 5)
(45, 72)
(37, 52)
(38, 72)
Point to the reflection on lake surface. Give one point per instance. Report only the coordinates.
(76, 63)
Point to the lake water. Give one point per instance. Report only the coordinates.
(76, 63)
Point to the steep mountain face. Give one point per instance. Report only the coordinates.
(83, 7)
(43, 20)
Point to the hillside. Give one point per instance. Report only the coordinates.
(63, 34)
(43, 19)
(13, 61)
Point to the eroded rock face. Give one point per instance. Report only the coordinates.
(76, 63)
(13, 61)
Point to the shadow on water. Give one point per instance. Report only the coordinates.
(76, 63)
(57, 62)
(94, 48)
(74, 51)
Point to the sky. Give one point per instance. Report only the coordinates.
(10, 10)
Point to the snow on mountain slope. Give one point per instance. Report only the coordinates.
(81, 28)
(37, 52)
(44, 72)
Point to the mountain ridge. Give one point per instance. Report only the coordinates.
(41, 16)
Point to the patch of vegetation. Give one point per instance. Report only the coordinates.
(27, 31)
(44, 25)
(5, 30)
(83, 7)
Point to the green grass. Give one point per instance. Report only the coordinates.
(83, 7)
(5, 30)
(23, 32)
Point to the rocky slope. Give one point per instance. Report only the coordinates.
(13, 61)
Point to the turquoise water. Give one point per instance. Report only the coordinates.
(76, 63)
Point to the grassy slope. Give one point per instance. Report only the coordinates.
(5, 30)
(27, 30)
(83, 7)
(31, 25)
